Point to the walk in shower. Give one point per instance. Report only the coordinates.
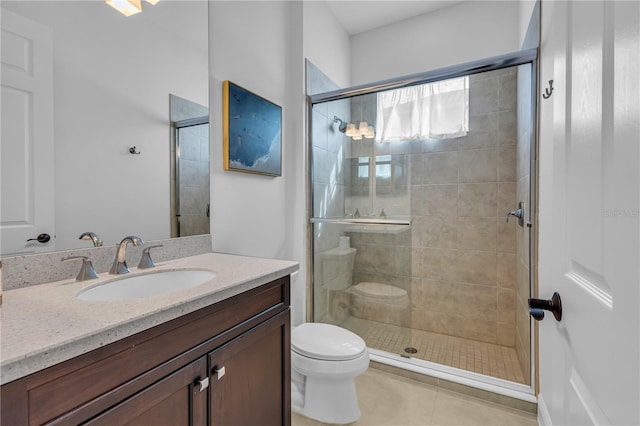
(413, 183)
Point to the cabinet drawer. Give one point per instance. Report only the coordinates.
(69, 386)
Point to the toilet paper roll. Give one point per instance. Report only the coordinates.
(344, 242)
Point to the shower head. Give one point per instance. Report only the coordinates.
(342, 127)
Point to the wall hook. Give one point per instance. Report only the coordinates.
(132, 150)
(547, 92)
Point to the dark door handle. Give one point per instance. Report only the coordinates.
(538, 306)
(42, 238)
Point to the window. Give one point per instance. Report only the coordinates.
(437, 110)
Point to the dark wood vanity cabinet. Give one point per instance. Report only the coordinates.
(174, 400)
(246, 384)
(226, 364)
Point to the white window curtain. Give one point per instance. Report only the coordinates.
(437, 110)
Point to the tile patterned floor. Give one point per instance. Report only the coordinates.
(484, 358)
(391, 400)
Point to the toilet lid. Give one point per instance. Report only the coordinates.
(326, 342)
(379, 290)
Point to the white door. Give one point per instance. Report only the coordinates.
(589, 212)
(26, 151)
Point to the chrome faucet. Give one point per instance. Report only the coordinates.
(97, 242)
(120, 264)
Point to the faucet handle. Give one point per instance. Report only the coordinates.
(145, 260)
(519, 213)
(86, 271)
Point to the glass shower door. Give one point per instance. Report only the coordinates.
(411, 248)
(362, 227)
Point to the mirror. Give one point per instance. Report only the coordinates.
(111, 80)
(190, 172)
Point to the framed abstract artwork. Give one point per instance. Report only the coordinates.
(252, 132)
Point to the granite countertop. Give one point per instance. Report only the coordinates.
(45, 324)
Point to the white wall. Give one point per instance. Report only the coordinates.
(457, 34)
(326, 44)
(112, 80)
(261, 45)
(258, 45)
(525, 11)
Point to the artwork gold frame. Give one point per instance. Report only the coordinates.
(252, 132)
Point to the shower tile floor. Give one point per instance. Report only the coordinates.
(479, 357)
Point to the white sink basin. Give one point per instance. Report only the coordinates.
(146, 285)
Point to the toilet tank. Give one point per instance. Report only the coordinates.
(336, 268)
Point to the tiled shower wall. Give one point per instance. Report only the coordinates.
(458, 261)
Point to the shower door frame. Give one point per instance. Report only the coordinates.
(464, 377)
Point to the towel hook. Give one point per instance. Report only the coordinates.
(132, 150)
(548, 91)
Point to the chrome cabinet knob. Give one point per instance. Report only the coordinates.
(203, 384)
(219, 372)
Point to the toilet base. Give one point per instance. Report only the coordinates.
(329, 401)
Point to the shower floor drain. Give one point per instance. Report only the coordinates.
(410, 350)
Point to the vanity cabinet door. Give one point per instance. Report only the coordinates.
(251, 377)
(177, 399)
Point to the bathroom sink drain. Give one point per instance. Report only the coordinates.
(410, 350)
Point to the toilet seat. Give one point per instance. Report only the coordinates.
(384, 292)
(326, 342)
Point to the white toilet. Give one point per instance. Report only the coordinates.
(325, 359)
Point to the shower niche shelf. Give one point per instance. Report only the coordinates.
(369, 225)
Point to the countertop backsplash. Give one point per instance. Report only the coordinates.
(33, 269)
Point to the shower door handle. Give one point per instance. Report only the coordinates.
(538, 306)
(519, 213)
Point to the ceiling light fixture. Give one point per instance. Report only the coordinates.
(128, 7)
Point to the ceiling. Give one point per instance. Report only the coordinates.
(357, 16)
